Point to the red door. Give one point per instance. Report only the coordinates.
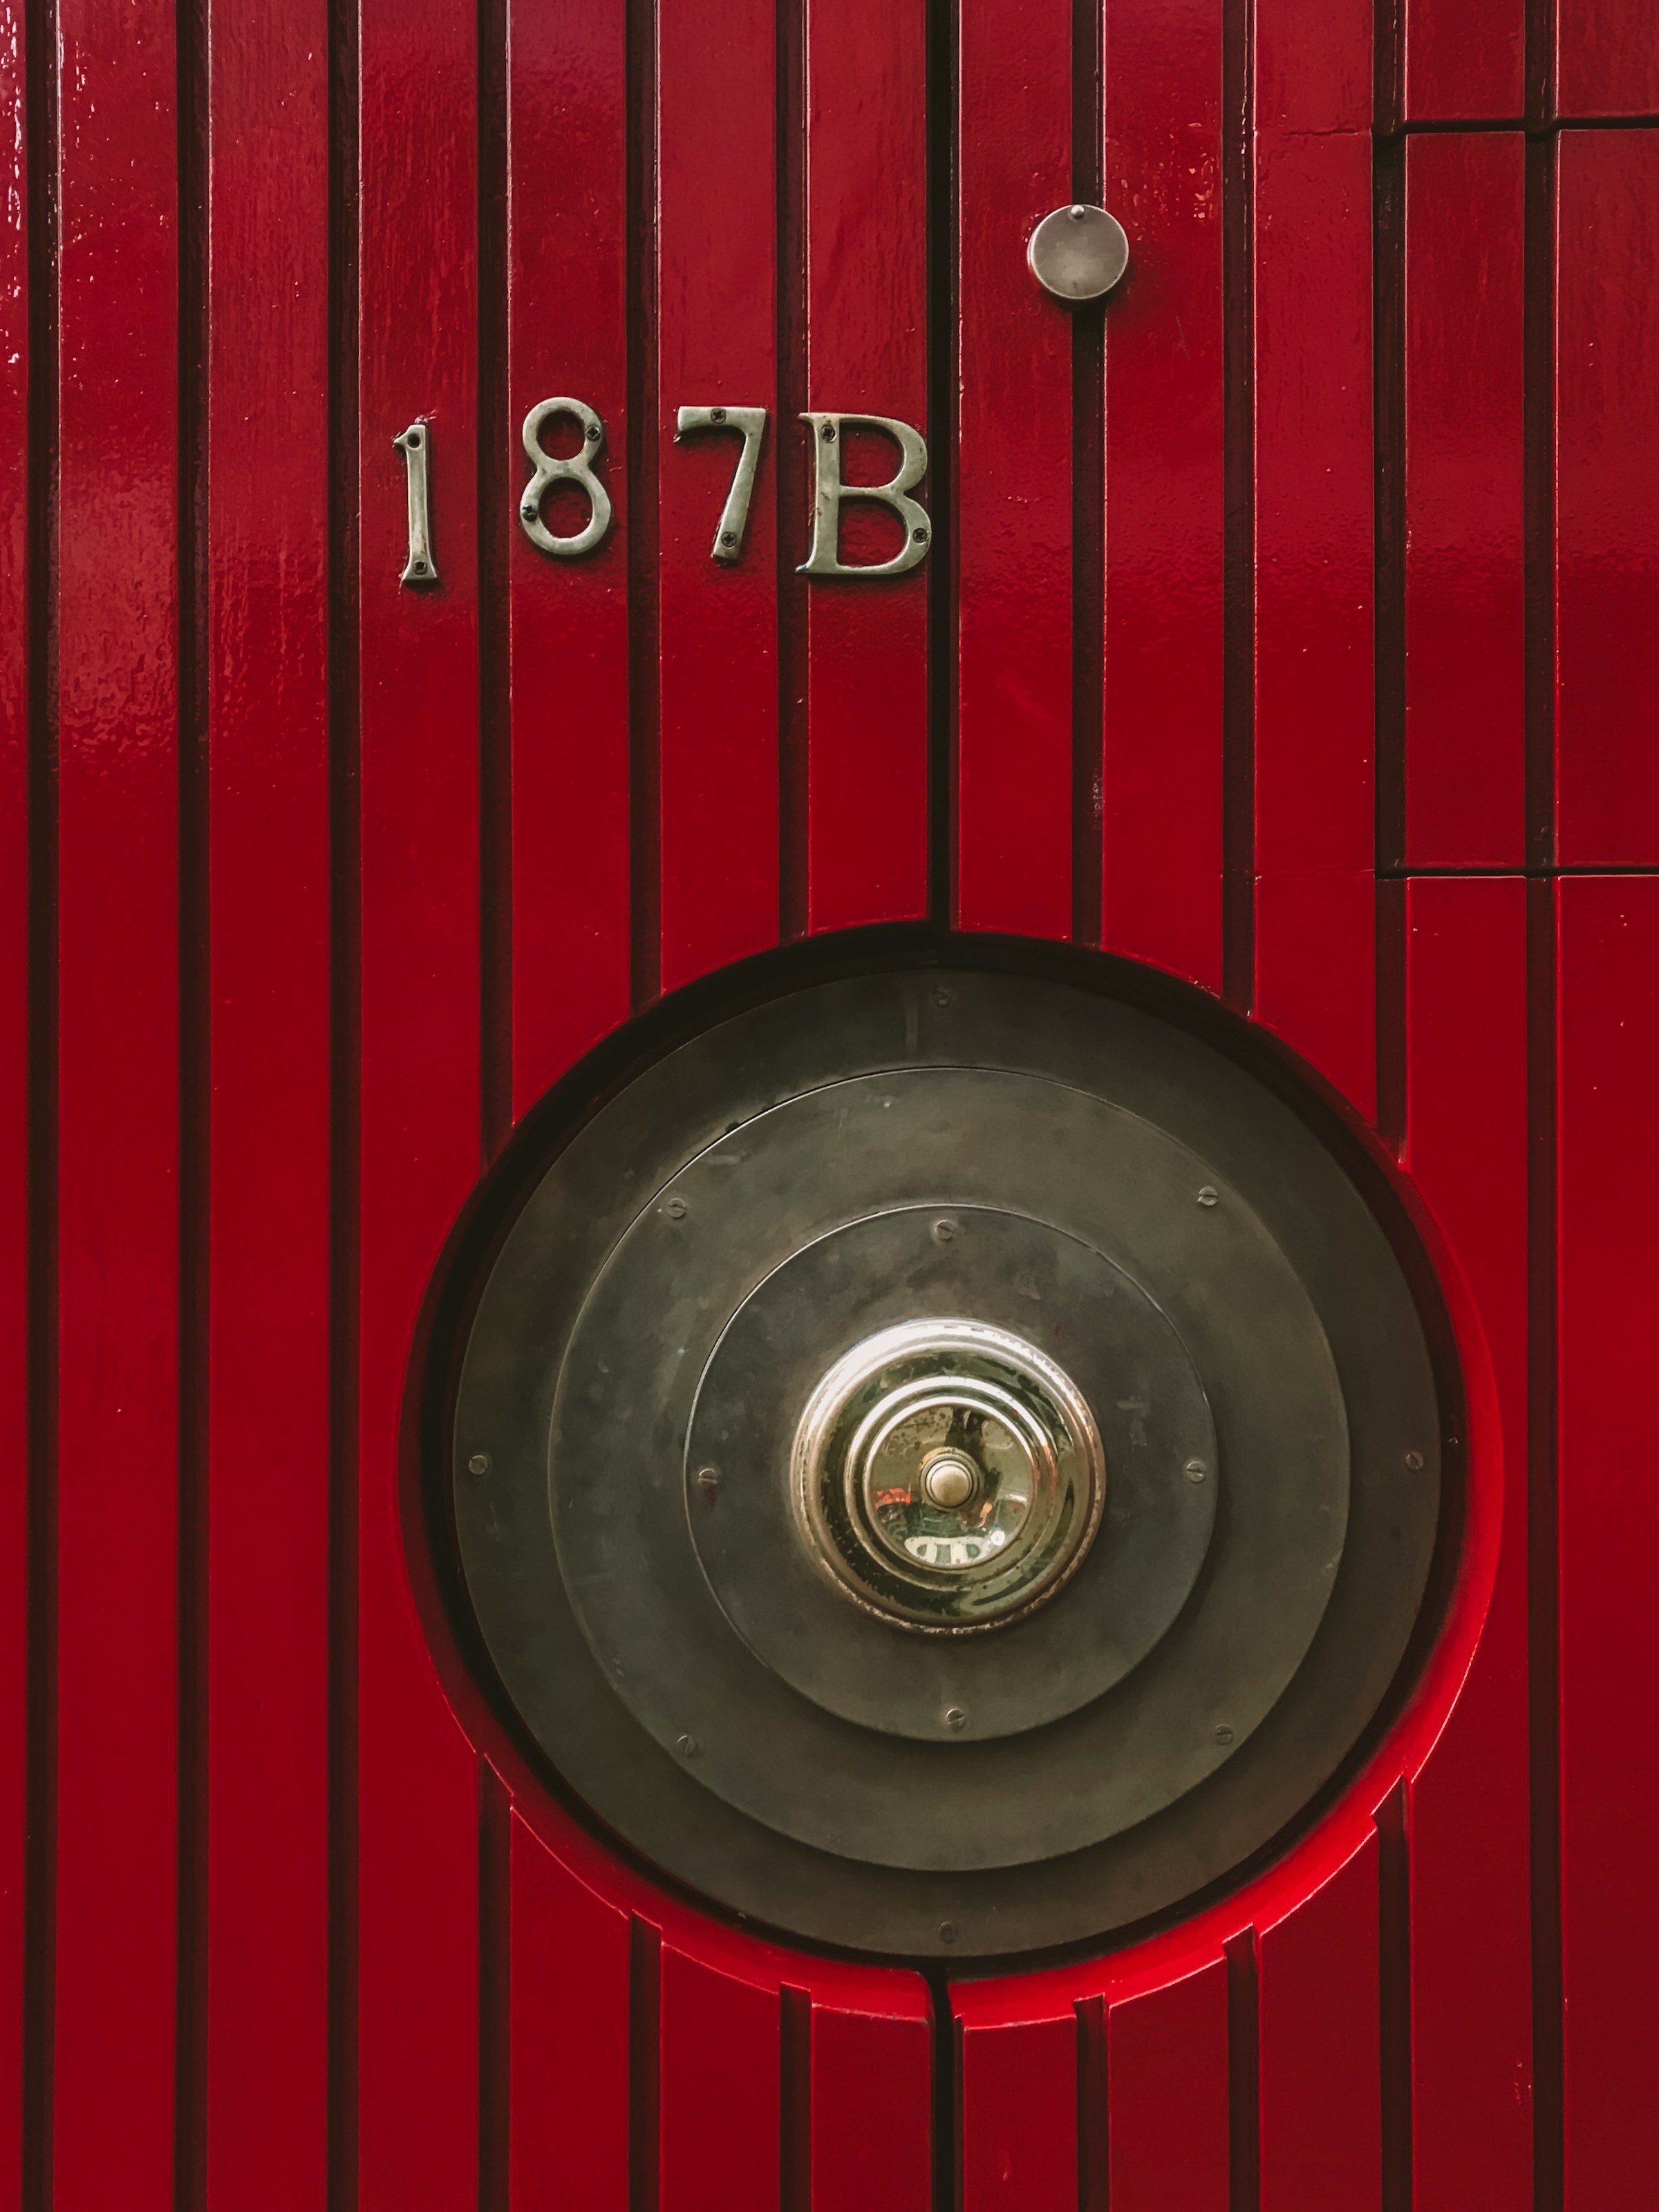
(1283, 624)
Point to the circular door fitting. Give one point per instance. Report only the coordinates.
(946, 1463)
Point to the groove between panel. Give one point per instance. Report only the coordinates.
(40, 1759)
(1094, 2175)
(1537, 495)
(494, 1988)
(495, 526)
(943, 366)
(644, 2067)
(1394, 1983)
(645, 800)
(947, 2098)
(786, 457)
(1088, 494)
(795, 2099)
(1238, 473)
(345, 962)
(1243, 2073)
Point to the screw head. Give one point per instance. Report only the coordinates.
(1208, 1195)
(920, 537)
(1224, 1735)
(955, 1717)
(728, 537)
(1077, 213)
(1196, 1471)
(708, 1482)
(1413, 1459)
(947, 1931)
(674, 1208)
(717, 414)
(943, 1231)
(944, 997)
(593, 434)
(686, 1745)
(829, 434)
(478, 1464)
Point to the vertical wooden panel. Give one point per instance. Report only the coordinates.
(1465, 60)
(268, 797)
(719, 2128)
(1608, 1228)
(1013, 506)
(117, 1133)
(1319, 2096)
(1466, 1125)
(1162, 796)
(872, 2102)
(569, 2125)
(1313, 694)
(1167, 2083)
(1465, 567)
(1606, 583)
(1019, 2105)
(18, 465)
(866, 300)
(1607, 57)
(717, 344)
(417, 1820)
(568, 620)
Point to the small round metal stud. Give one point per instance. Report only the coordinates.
(1413, 1459)
(1196, 1470)
(478, 1464)
(1079, 252)
(1208, 1195)
(674, 1208)
(947, 1931)
(943, 1231)
(955, 1717)
(1224, 1736)
(686, 1745)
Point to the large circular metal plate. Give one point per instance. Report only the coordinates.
(946, 1463)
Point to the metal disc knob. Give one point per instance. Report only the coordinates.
(947, 1474)
(1079, 252)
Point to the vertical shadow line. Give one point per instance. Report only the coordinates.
(1539, 501)
(794, 791)
(795, 2099)
(1389, 408)
(345, 950)
(1394, 1981)
(1543, 1607)
(1088, 494)
(942, 439)
(644, 2067)
(1244, 2075)
(1094, 2173)
(40, 595)
(645, 750)
(494, 1989)
(495, 524)
(194, 1104)
(947, 2099)
(1238, 471)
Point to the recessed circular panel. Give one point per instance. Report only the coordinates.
(946, 1451)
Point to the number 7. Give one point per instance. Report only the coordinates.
(734, 515)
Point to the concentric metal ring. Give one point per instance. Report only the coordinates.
(948, 1475)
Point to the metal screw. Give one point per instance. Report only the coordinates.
(943, 997)
(709, 1481)
(1196, 1470)
(686, 1745)
(1078, 213)
(1224, 1736)
(943, 1231)
(955, 1717)
(920, 537)
(674, 1209)
(717, 414)
(528, 510)
(1207, 1196)
(829, 434)
(478, 1464)
(1413, 1459)
(592, 433)
(728, 537)
(947, 1931)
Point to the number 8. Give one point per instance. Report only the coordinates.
(578, 469)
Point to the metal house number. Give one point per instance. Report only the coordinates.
(830, 490)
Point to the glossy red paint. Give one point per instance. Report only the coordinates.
(115, 1634)
(267, 986)
(1161, 803)
(1607, 463)
(1606, 1216)
(294, 983)
(1466, 766)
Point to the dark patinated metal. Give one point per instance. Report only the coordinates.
(1118, 1195)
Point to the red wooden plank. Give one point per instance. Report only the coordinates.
(1606, 429)
(866, 352)
(567, 106)
(17, 466)
(1465, 437)
(1166, 2075)
(417, 1820)
(872, 2102)
(568, 2036)
(1465, 60)
(1314, 703)
(117, 1424)
(1013, 504)
(1321, 2139)
(1607, 57)
(1609, 1223)
(1466, 1126)
(717, 345)
(268, 1451)
(1019, 2083)
(1162, 801)
(719, 2139)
